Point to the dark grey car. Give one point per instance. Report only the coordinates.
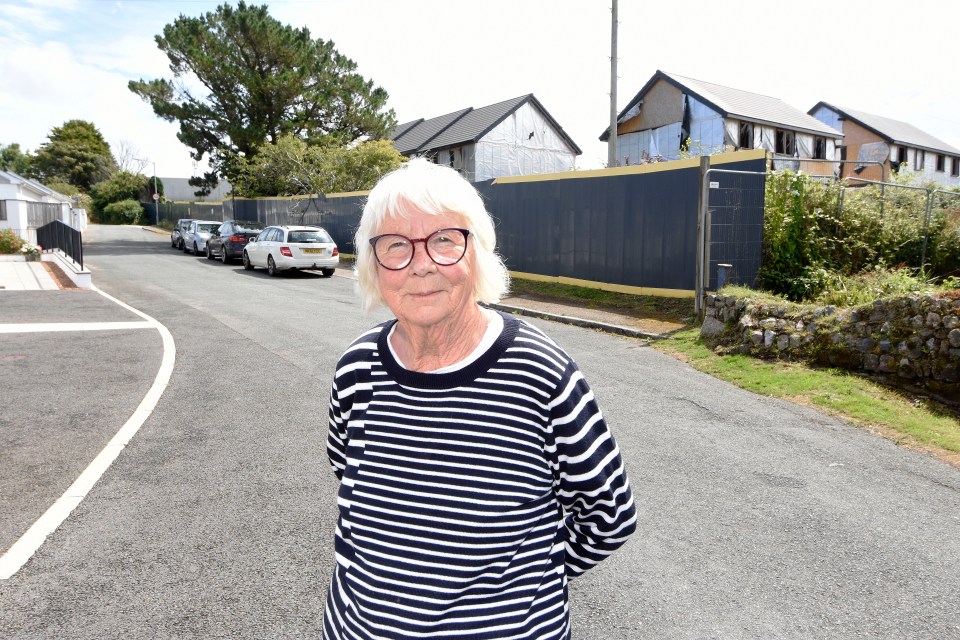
(228, 241)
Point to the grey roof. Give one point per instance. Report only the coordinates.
(401, 129)
(740, 105)
(421, 134)
(470, 125)
(893, 131)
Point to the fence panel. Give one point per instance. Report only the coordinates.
(735, 236)
(41, 213)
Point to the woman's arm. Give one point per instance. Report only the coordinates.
(591, 480)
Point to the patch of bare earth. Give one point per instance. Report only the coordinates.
(62, 279)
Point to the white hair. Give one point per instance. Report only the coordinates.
(420, 187)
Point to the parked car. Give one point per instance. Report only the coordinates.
(195, 237)
(228, 241)
(289, 247)
(176, 236)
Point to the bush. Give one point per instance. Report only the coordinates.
(818, 235)
(123, 212)
(10, 242)
(120, 186)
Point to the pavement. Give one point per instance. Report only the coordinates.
(25, 276)
(32, 276)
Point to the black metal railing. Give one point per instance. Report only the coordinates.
(57, 235)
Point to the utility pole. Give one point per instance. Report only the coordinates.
(612, 139)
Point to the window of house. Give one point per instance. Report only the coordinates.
(786, 142)
(819, 148)
(955, 167)
(746, 135)
(901, 158)
(941, 162)
(918, 160)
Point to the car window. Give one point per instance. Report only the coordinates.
(249, 226)
(208, 227)
(311, 236)
(268, 235)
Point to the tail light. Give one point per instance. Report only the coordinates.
(336, 251)
(286, 252)
(238, 239)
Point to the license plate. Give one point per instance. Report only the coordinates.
(312, 250)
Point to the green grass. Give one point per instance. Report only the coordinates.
(661, 308)
(908, 420)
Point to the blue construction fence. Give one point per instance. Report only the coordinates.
(632, 229)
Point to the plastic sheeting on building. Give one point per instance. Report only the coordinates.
(525, 143)
(706, 133)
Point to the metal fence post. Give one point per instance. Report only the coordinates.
(703, 204)
(926, 230)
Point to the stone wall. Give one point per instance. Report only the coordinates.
(908, 341)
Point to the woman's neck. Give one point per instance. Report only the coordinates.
(428, 348)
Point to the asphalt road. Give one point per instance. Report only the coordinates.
(758, 518)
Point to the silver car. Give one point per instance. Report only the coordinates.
(288, 247)
(176, 235)
(196, 236)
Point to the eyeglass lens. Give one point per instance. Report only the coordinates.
(445, 247)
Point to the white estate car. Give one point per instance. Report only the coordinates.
(196, 236)
(288, 247)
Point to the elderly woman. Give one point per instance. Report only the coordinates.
(477, 473)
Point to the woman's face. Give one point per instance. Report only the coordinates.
(424, 293)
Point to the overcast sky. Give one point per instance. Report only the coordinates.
(72, 59)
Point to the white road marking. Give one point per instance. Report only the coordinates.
(24, 548)
(41, 327)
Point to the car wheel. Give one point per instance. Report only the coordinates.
(183, 247)
(272, 267)
(246, 262)
(208, 253)
(326, 273)
(223, 255)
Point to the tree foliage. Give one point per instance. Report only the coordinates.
(75, 153)
(261, 80)
(292, 167)
(122, 185)
(15, 160)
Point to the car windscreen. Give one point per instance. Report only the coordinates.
(207, 228)
(308, 237)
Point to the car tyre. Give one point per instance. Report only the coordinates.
(326, 273)
(183, 246)
(246, 262)
(195, 251)
(272, 267)
(208, 253)
(223, 255)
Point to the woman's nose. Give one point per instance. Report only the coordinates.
(421, 263)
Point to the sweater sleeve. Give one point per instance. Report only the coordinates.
(337, 432)
(592, 484)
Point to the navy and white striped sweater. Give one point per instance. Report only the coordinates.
(468, 498)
